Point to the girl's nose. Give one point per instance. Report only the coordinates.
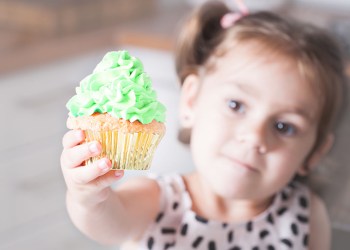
(253, 135)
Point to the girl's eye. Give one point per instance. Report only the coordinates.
(285, 128)
(236, 106)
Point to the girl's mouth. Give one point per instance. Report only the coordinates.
(241, 164)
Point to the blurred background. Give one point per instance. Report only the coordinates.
(48, 46)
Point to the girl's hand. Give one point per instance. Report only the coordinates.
(88, 185)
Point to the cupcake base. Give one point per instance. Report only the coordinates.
(125, 150)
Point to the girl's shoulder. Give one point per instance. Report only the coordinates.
(320, 226)
(291, 206)
(310, 212)
(172, 192)
(294, 194)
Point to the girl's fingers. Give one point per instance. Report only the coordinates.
(85, 174)
(107, 179)
(72, 138)
(98, 174)
(73, 157)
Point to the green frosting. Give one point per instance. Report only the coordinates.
(118, 86)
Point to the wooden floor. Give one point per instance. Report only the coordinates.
(32, 211)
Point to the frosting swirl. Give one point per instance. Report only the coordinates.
(118, 86)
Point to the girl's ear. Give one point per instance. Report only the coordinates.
(316, 157)
(189, 92)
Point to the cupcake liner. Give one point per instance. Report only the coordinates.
(129, 151)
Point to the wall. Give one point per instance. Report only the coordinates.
(340, 5)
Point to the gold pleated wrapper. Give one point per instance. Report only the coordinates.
(128, 151)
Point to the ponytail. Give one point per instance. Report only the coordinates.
(200, 35)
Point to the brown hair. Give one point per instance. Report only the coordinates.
(316, 54)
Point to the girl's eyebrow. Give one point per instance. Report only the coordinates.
(241, 86)
(302, 112)
(245, 88)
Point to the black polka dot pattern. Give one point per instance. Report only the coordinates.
(169, 245)
(263, 234)
(284, 196)
(184, 229)
(197, 241)
(284, 225)
(201, 219)
(150, 243)
(294, 228)
(306, 240)
(236, 248)
(287, 242)
(302, 218)
(270, 218)
(249, 226)
(230, 236)
(211, 245)
(175, 205)
(292, 185)
(168, 231)
(159, 217)
(281, 211)
(303, 202)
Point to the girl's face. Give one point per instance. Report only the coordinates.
(254, 122)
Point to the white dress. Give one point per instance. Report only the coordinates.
(284, 225)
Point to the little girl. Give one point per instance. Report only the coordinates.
(260, 96)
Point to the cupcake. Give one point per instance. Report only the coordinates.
(117, 106)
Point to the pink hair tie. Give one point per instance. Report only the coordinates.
(230, 18)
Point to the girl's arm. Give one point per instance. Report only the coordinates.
(320, 229)
(123, 216)
(105, 215)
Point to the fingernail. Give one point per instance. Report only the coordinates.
(118, 173)
(103, 165)
(93, 148)
(79, 134)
